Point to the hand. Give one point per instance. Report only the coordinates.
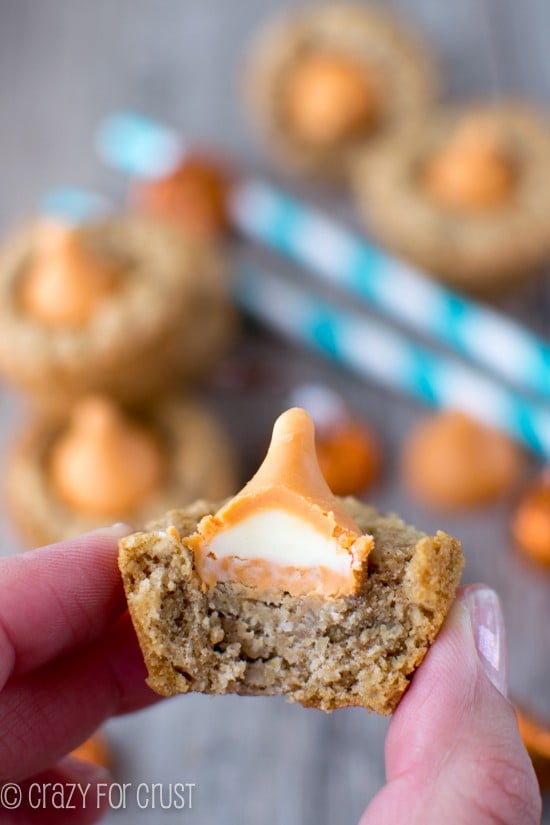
(453, 750)
(68, 660)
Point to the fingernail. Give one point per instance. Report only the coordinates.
(116, 531)
(120, 528)
(489, 634)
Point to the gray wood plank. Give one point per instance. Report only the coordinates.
(63, 64)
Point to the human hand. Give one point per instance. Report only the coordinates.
(453, 750)
(68, 660)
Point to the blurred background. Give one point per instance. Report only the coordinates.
(64, 65)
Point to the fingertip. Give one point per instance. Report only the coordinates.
(61, 595)
(99, 538)
(454, 739)
(115, 531)
(441, 694)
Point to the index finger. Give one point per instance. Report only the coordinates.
(57, 597)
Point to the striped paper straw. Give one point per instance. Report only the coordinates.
(338, 256)
(138, 145)
(335, 254)
(367, 346)
(74, 205)
(377, 352)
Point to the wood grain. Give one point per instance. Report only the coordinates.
(63, 63)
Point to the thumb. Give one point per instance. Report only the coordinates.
(453, 750)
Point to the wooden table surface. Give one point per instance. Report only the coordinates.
(63, 63)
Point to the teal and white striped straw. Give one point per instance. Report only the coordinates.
(377, 352)
(337, 255)
(133, 144)
(369, 347)
(139, 146)
(74, 205)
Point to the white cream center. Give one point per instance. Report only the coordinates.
(281, 538)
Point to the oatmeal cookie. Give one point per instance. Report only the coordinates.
(463, 195)
(322, 81)
(164, 317)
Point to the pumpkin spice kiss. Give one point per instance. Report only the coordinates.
(285, 530)
(68, 281)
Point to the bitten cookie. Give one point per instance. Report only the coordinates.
(287, 590)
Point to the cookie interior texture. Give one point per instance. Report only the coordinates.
(359, 650)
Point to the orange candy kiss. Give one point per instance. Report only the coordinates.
(531, 522)
(329, 97)
(95, 750)
(349, 457)
(284, 530)
(452, 461)
(471, 172)
(192, 198)
(66, 283)
(104, 464)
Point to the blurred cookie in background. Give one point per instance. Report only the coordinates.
(464, 195)
(102, 463)
(325, 79)
(450, 461)
(125, 306)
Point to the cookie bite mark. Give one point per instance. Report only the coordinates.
(329, 97)
(65, 282)
(105, 464)
(285, 530)
(472, 172)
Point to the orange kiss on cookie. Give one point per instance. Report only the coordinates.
(471, 172)
(105, 464)
(66, 282)
(329, 97)
(285, 530)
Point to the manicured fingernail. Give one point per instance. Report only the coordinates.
(489, 634)
(121, 528)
